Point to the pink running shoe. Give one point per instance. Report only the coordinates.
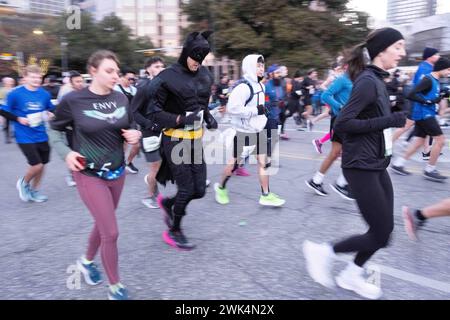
(317, 145)
(284, 136)
(241, 171)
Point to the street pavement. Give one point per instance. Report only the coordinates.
(244, 251)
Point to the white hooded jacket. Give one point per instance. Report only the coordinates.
(245, 118)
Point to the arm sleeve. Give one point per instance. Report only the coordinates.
(58, 141)
(423, 87)
(328, 95)
(63, 116)
(236, 102)
(363, 94)
(138, 105)
(155, 108)
(6, 109)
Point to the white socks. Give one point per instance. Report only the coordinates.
(341, 181)
(318, 178)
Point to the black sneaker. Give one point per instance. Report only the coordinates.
(426, 156)
(131, 168)
(434, 176)
(167, 211)
(400, 170)
(177, 240)
(318, 188)
(344, 191)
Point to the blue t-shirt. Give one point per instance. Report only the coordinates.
(424, 69)
(23, 103)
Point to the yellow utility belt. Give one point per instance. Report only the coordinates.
(183, 134)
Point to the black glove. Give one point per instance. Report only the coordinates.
(398, 119)
(211, 123)
(262, 110)
(190, 119)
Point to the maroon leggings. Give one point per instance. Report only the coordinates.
(101, 197)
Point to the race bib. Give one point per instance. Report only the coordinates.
(387, 135)
(35, 119)
(151, 143)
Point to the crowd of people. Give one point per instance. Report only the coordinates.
(165, 115)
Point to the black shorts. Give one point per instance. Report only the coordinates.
(153, 156)
(428, 127)
(36, 153)
(334, 136)
(243, 139)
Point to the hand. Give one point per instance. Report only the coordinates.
(222, 109)
(261, 109)
(23, 121)
(190, 119)
(211, 123)
(72, 161)
(132, 136)
(398, 119)
(50, 115)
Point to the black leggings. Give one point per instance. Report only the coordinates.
(375, 198)
(188, 169)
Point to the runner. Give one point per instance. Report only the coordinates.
(29, 106)
(151, 132)
(180, 104)
(101, 120)
(365, 157)
(248, 113)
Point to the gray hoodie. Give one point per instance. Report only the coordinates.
(245, 118)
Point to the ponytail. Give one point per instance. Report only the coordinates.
(356, 61)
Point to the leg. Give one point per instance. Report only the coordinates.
(436, 150)
(151, 177)
(335, 152)
(133, 152)
(374, 195)
(439, 209)
(400, 131)
(101, 198)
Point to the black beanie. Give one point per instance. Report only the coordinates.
(441, 64)
(428, 52)
(381, 40)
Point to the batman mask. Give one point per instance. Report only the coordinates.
(195, 47)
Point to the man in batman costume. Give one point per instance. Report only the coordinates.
(180, 105)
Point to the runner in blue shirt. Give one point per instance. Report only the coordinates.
(28, 106)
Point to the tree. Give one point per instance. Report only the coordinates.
(285, 31)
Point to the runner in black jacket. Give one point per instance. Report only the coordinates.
(365, 124)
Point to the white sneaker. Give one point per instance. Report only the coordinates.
(150, 202)
(351, 278)
(319, 262)
(70, 182)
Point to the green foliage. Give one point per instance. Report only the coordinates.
(284, 31)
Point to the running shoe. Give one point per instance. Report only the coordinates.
(120, 293)
(351, 278)
(177, 240)
(24, 190)
(317, 145)
(318, 188)
(344, 191)
(90, 272)
(131, 168)
(221, 194)
(271, 200)
(36, 196)
(241, 171)
(434, 176)
(150, 202)
(400, 170)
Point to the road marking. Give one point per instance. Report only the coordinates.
(406, 276)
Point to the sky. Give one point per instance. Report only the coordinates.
(377, 9)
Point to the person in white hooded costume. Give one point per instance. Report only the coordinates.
(248, 117)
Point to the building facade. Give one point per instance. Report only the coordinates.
(405, 12)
